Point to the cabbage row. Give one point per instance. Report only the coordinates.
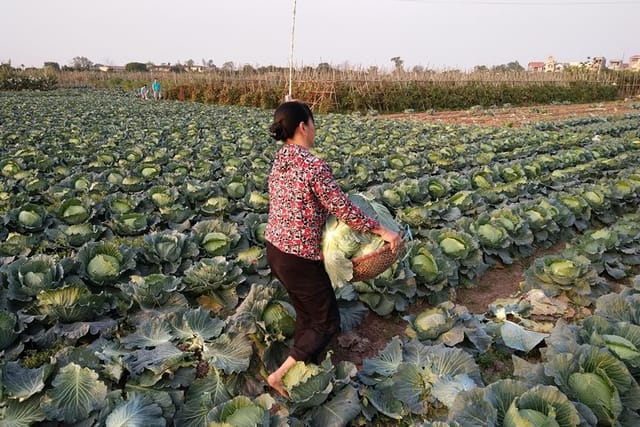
(133, 275)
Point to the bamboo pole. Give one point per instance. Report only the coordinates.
(289, 96)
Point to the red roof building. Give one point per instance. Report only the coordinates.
(536, 66)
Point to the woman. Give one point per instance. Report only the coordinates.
(302, 194)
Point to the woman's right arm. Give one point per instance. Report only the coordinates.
(337, 202)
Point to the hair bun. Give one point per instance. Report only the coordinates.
(277, 132)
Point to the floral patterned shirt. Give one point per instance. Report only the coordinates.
(302, 194)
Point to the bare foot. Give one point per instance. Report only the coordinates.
(275, 379)
(276, 384)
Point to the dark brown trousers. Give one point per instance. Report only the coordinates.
(311, 294)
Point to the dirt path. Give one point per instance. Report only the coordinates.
(376, 331)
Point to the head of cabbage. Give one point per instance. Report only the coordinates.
(341, 243)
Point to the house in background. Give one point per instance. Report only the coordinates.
(547, 67)
(598, 63)
(194, 68)
(163, 68)
(109, 68)
(551, 66)
(536, 66)
(617, 65)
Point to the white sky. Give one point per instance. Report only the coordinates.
(435, 34)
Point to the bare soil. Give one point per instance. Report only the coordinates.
(373, 334)
(519, 116)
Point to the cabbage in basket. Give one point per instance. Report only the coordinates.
(341, 243)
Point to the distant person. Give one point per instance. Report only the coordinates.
(144, 92)
(155, 86)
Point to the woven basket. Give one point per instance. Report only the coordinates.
(373, 264)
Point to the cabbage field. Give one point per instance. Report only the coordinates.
(135, 290)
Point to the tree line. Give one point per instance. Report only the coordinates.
(82, 63)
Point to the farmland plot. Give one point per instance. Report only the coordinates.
(134, 278)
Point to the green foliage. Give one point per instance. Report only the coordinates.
(136, 66)
(54, 66)
(182, 321)
(12, 79)
(34, 358)
(80, 63)
(400, 95)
